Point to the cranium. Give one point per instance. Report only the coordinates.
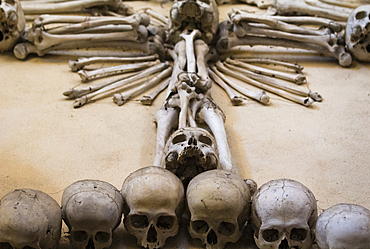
(190, 151)
(29, 219)
(358, 33)
(283, 213)
(92, 210)
(219, 205)
(344, 226)
(193, 14)
(154, 203)
(12, 24)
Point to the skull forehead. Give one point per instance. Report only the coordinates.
(86, 208)
(217, 191)
(345, 225)
(283, 199)
(152, 187)
(354, 16)
(26, 215)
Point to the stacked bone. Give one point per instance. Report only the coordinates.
(282, 213)
(59, 32)
(249, 29)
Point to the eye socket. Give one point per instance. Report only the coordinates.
(226, 228)
(205, 140)
(179, 139)
(298, 234)
(165, 222)
(200, 226)
(102, 237)
(270, 235)
(79, 236)
(139, 221)
(5, 245)
(361, 15)
(11, 2)
(28, 247)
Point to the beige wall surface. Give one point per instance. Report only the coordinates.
(46, 144)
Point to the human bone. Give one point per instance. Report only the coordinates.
(148, 99)
(189, 15)
(260, 96)
(284, 213)
(294, 78)
(295, 67)
(347, 3)
(262, 4)
(236, 72)
(80, 63)
(343, 226)
(75, 6)
(12, 24)
(117, 85)
(30, 219)
(358, 33)
(235, 100)
(219, 205)
(121, 98)
(154, 203)
(301, 7)
(87, 75)
(91, 209)
(190, 151)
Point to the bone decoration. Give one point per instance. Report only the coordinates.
(91, 209)
(284, 213)
(219, 206)
(29, 219)
(343, 226)
(154, 204)
(358, 33)
(12, 24)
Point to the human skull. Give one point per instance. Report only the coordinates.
(12, 23)
(91, 209)
(29, 219)
(358, 33)
(193, 14)
(284, 212)
(154, 203)
(190, 151)
(344, 226)
(219, 205)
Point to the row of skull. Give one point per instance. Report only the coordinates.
(283, 213)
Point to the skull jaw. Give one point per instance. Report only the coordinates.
(191, 162)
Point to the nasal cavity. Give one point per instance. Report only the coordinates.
(152, 235)
(90, 245)
(212, 238)
(284, 244)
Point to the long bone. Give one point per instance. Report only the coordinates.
(297, 68)
(157, 16)
(272, 82)
(235, 100)
(179, 57)
(121, 98)
(43, 40)
(212, 115)
(148, 99)
(80, 63)
(133, 20)
(338, 51)
(300, 20)
(109, 71)
(201, 51)
(306, 101)
(323, 5)
(185, 91)
(75, 6)
(116, 87)
(22, 50)
(76, 93)
(348, 3)
(260, 97)
(300, 6)
(237, 17)
(295, 78)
